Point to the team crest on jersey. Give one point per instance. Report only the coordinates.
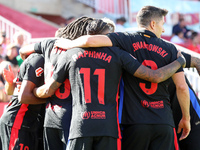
(39, 71)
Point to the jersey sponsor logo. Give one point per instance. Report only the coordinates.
(98, 115)
(155, 104)
(93, 54)
(145, 103)
(39, 71)
(86, 115)
(94, 115)
(150, 47)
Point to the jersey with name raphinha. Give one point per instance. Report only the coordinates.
(26, 116)
(145, 102)
(58, 108)
(94, 75)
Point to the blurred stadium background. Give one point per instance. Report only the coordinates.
(39, 19)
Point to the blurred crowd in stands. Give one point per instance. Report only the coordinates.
(9, 50)
(9, 55)
(185, 37)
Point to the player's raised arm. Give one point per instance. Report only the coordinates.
(160, 74)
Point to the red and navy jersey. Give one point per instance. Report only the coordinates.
(58, 108)
(25, 116)
(145, 102)
(94, 75)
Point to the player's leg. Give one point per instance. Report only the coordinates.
(136, 137)
(53, 139)
(106, 142)
(19, 139)
(40, 138)
(164, 138)
(83, 143)
(41, 129)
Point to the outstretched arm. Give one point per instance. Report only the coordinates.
(25, 51)
(160, 74)
(47, 89)
(85, 41)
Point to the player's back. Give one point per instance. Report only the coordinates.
(94, 75)
(150, 100)
(31, 69)
(58, 109)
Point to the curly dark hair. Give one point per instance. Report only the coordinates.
(75, 29)
(98, 26)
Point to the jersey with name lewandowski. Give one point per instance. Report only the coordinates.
(145, 102)
(94, 75)
(58, 108)
(25, 116)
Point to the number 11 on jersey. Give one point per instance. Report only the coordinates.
(87, 87)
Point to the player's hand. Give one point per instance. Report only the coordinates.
(8, 74)
(184, 125)
(63, 43)
(179, 54)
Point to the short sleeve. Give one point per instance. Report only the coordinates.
(118, 39)
(42, 46)
(37, 48)
(174, 56)
(34, 70)
(129, 62)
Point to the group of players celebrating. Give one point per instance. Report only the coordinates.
(69, 96)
